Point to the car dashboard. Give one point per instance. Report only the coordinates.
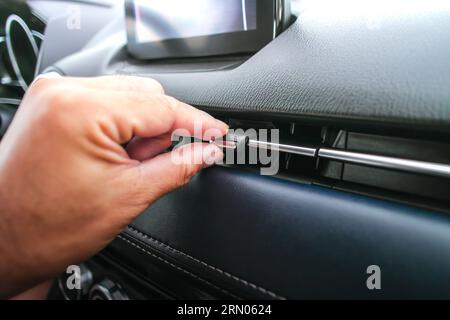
(362, 84)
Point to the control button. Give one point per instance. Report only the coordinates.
(107, 290)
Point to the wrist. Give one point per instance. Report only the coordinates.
(14, 264)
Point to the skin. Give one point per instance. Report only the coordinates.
(67, 184)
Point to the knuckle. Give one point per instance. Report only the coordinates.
(57, 104)
(136, 83)
(170, 103)
(42, 84)
(60, 99)
(157, 85)
(167, 109)
(184, 174)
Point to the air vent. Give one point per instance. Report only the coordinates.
(407, 169)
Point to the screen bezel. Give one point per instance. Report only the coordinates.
(212, 45)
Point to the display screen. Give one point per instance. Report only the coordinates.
(158, 20)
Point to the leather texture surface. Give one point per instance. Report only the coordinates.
(337, 66)
(258, 237)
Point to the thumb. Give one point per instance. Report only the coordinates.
(169, 171)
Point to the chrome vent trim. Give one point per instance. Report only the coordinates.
(372, 160)
(300, 150)
(407, 165)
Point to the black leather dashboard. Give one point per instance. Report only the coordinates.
(246, 236)
(339, 69)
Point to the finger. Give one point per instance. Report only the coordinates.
(172, 170)
(150, 115)
(117, 83)
(145, 148)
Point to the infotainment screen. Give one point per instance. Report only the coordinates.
(189, 28)
(174, 19)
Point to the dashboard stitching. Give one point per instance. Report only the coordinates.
(177, 267)
(228, 275)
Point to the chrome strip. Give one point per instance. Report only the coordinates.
(303, 151)
(244, 14)
(11, 55)
(11, 101)
(225, 144)
(429, 168)
(408, 165)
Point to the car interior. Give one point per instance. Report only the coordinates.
(359, 91)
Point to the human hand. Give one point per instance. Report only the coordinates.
(67, 184)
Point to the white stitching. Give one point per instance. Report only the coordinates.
(246, 283)
(177, 267)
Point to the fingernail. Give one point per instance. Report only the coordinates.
(212, 155)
